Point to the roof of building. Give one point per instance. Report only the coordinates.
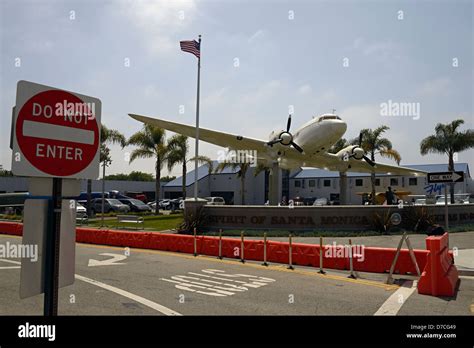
(321, 173)
(203, 171)
(306, 173)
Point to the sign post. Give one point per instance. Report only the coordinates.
(445, 177)
(56, 136)
(51, 271)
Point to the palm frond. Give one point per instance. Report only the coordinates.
(392, 154)
(111, 136)
(141, 153)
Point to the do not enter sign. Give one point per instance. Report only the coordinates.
(56, 133)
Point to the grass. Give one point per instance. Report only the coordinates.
(171, 221)
(152, 222)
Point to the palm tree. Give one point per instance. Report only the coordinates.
(201, 159)
(448, 140)
(338, 146)
(243, 168)
(178, 150)
(107, 137)
(374, 144)
(151, 144)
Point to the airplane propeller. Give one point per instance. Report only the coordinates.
(286, 138)
(367, 159)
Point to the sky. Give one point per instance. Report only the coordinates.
(260, 60)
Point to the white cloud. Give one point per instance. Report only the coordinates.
(215, 98)
(381, 50)
(262, 93)
(259, 34)
(305, 89)
(358, 42)
(359, 117)
(159, 21)
(435, 88)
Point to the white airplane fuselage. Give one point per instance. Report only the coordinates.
(317, 135)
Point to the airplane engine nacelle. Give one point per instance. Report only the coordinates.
(351, 151)
(275, 135)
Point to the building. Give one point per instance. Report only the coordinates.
(312, 182)
(20, 184)
(304, 183)
(226, 184)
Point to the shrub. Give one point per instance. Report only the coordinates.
(193, 221)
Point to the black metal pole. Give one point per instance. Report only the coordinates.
(51, 274)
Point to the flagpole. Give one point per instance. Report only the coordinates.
(197, 126)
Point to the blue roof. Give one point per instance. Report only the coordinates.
(203, 171)
(321, 173)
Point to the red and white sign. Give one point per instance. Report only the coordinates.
(56, 133)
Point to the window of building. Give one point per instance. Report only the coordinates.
(327, 183)
(312, 183)
(394, 182)
(413, 181)
(359, 182)
(297, 183)
(377, 182)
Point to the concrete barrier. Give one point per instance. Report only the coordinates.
(440, 275)
(375, 259)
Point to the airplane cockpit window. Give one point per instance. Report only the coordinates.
(332, 117)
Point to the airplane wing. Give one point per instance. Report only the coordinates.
(333, 162)
(294, 158)
(233, 141)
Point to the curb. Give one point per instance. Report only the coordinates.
(464, 271)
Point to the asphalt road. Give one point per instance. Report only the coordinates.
(149, 282)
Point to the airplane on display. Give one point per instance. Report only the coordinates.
(307, 147)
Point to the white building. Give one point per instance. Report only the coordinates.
(311, 182)
(226, 184)
(304, 183)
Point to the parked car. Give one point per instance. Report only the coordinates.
(136, 205)
(176, 203)
(215, 200)
(309, 200)
(163, 204)
(298, 201)
(110, 205)
(321, 201)
(137, 195)
(420, 201)
(12, 203)
(83, 196)
(81, 211)
(117, 195)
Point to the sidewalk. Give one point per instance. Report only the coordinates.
(460, 240)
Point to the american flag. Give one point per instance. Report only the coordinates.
(191, 46)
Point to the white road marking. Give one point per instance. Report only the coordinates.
(10, 267)
(209, 287)
(108, 262)
(139, 299)
(57, 132)
(136, 298)
(464, 258)
(395, 302)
